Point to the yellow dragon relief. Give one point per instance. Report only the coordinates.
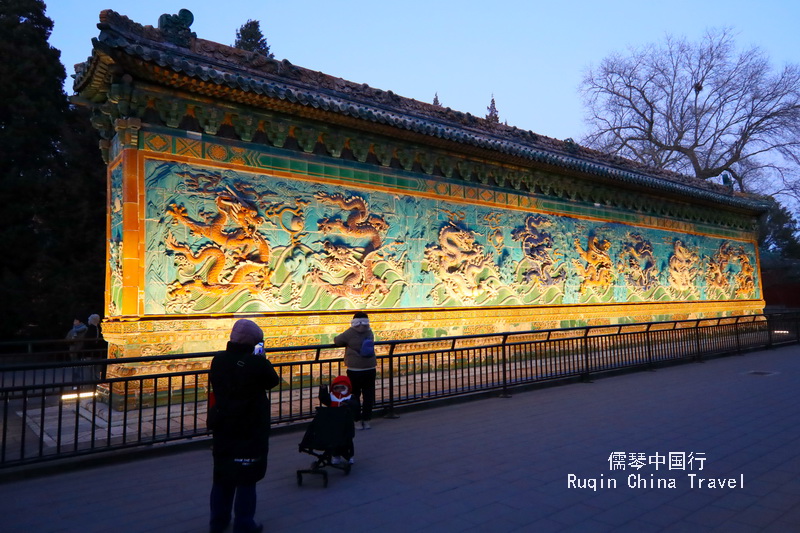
(465, 272)
(598, 273)
(683, 268)
(717, 275)
(360, 222)
(357, 279)
(746, 278)
(235, 259)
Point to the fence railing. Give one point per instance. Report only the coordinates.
(64, 408)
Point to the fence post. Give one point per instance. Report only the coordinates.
(390, 411)
(505, 393)
(649, 342)
(769, 331)
(585, 377)
(738, 340)
(698, 355)
(797, 327)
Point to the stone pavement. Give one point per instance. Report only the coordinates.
(491, 465)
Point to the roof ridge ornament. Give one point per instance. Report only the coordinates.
(175, 28)
(571, 146)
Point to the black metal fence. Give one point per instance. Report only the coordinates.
(60, 406)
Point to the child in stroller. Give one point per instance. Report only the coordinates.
(329, 437)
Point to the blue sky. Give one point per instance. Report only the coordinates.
(530, 54)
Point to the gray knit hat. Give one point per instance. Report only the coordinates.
(246, 332)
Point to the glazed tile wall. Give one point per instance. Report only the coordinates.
(298, 236)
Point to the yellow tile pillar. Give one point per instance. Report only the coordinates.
(133, 205)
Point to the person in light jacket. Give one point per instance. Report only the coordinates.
(360, 366)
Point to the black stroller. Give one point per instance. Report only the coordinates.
(330, 435)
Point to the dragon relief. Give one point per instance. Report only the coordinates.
(746, 277)
(683, 268)
(598, 273)
(234, 257)
(115, 272)
(358, 279)
(638, 264)
(464, 270)
(717, 273)
(345, 271)
(495, 236)
(537, 246)
(360, 222)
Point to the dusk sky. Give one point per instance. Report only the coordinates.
(530, 55)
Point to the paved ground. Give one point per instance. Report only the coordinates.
(493, 465)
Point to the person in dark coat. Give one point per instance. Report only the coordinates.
(239, 421)
(76, 336)
(95, 344)
(93, 333)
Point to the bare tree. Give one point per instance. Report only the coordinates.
(700, 109)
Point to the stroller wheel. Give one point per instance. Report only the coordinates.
(299, 479)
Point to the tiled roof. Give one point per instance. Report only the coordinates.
(255, 73)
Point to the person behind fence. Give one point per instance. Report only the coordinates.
(340, 394)
(239, 422)
(76, 336)
(359, 358)
(93, 333)
(95, 345)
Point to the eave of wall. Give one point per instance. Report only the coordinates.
(205, 72)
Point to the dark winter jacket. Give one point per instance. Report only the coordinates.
(241, 382)
(92, 333)
(76, 335)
